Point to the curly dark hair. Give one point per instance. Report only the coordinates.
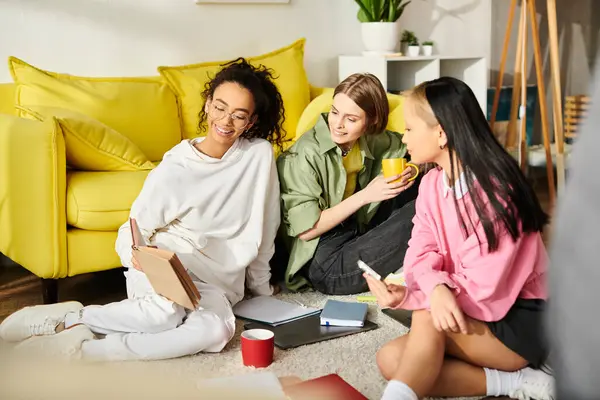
(268, 104)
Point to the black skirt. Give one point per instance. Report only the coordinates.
(522, 330)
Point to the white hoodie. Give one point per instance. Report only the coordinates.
(225, 212)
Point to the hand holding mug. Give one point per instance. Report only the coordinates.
(381, 189)
(399, 166)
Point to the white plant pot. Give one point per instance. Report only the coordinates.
(380, 37)
(413, 51)
(427, 50)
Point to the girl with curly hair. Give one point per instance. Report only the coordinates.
(214, 201)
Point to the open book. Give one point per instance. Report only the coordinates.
(164, 270)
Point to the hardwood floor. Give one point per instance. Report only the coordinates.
(20, 288)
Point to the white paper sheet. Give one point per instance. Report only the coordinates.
(266, 384)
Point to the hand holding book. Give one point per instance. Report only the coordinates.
(136, 263)
(164, 270)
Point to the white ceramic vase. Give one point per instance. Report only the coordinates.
(427, 50)
(413, 51)
(380, 37)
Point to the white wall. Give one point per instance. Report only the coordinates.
(133, 37)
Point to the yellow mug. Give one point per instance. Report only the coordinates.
(395, 166)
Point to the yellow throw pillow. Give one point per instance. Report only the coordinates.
(188, 82)
(396, 117)
(310, 116)
(143, 109)
(91, 145)
(322, 104)
(7, 99)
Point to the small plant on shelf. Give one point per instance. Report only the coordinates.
(409, 37)
(410, 43)
(428, 48)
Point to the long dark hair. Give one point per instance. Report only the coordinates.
(268, 104)
(471, 141)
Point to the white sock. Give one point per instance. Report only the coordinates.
(500, 383)
(396, 390)
(72, 318)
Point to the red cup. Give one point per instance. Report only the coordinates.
(257, 347)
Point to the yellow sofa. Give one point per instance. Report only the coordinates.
(59, 221)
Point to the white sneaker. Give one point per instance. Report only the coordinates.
(65, 344)
(536, 384)
(36, 320)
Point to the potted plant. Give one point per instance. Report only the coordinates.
(413, 47)
(428, 48)
(407, 38)
(379, 26)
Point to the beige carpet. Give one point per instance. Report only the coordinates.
(352, 357)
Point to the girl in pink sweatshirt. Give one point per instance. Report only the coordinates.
(476, 265)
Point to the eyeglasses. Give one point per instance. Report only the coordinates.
(218, 112)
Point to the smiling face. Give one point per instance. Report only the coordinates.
(347, 121)
(229, 113)
(424, 138)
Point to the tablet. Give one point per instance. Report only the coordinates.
(307, 331)
(402, 316)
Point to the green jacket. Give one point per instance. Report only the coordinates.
(313, 179)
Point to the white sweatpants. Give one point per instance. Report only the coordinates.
(146, 326)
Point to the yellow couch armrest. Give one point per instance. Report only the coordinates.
(32, 195)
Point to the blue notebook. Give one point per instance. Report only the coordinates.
(342, 313)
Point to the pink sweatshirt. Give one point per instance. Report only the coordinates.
(486, 284)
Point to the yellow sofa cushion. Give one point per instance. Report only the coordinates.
(7, 98)
(322, 103)
(188, 82)
(143, 109)
(92, 145)
(100, 201)
(396, 117)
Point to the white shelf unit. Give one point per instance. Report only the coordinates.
(402, 73)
